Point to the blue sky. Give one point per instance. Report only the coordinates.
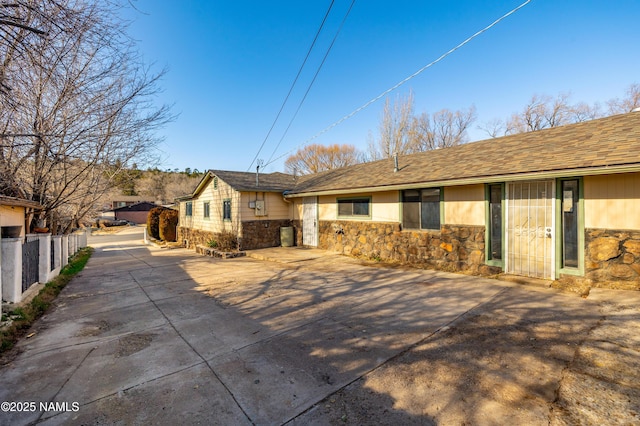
(231, 63)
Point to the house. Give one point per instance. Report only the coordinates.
(136, 213)
(15, 216)
(557, 204)
(251, 206)
(124, 201)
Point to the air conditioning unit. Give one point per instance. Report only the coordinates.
(260, 208)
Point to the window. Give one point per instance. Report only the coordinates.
(569, 203)
(354, 207)
(215, 182)
(188, 208)
(206, 208)
(226, 209)
(494, 245)
(421, 208)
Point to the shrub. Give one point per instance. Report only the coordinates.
(212, 243)
(167, 225)
(227, 241)
(153, 222)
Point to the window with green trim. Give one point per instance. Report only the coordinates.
(569, 203)
(421, 209)
(494, 240)
(206, 207)
(226, 209)
(354, 207)
(188, 208)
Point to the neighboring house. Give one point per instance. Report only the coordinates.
(15, 216)
(560, 203)
(126, 200)
(136, 213)
(248, 205)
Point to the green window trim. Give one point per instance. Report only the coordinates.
(206, 209)
(487, 230)
(226, 210)
(188, 209)
(560, 268)
(355, 205)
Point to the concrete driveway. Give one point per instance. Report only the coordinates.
(146, 335)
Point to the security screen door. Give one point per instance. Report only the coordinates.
(530, 223)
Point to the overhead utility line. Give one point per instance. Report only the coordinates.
(292, 84)
(391, 89)
(312, 81)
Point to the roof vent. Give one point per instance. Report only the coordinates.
(395, 162)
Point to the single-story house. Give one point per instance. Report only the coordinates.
(136, 213)
(16, 215)
(249, 205)
(557, 204)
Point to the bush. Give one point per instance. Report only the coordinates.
(226, 241)
(167, 225)
(153, 222)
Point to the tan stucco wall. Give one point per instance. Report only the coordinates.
(276, 208)
(464, 205)
(612, 201)
(12, 216)
(384, 207)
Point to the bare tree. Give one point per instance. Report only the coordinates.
(82, 103)
(318, 158)
(443, 129)
(402, 132)
(630, 102)
(544, 111)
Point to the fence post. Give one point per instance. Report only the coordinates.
(82, 239)
(72, 244)
(57, 255)
(65, 250)
(45, 258)
(12, 269)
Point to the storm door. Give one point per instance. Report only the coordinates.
(529, 228)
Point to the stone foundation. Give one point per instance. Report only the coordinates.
(262, 233)
(191, 238)
(453, 248)
(297, 232)
(611, 260)
(255, 234)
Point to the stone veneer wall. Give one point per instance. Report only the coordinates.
(297, 232)
(256, 234)
(194, 237)
(453, 248)
(262, 233)
(612, 259)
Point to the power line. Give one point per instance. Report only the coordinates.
(391, 89)
(312, 81)
(293, 84)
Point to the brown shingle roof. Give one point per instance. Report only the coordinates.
(583, 147)
(246, 181)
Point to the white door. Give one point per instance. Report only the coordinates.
(310, 222)
(529, 228)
